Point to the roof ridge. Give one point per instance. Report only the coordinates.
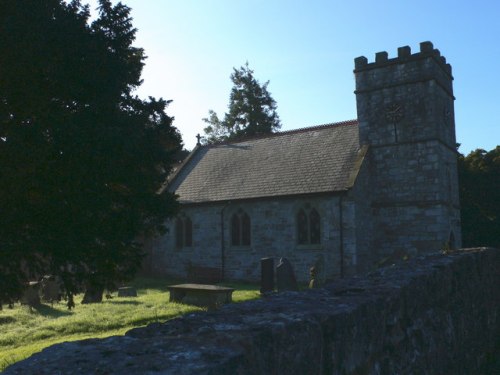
(286, 132)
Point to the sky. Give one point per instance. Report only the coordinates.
(306, 49)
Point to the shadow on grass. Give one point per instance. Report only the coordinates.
(6, 320)
(47, 310)
(126, 302)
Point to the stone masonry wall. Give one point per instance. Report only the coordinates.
(405, 113)
(273, 234)
(421, 85)
(436, 314)
(416, 204)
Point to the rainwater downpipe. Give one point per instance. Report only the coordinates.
(222, 243)
(341, 220)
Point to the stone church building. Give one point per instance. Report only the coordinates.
(348, 194)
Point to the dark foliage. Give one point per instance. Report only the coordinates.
(479, 174)
(81, 157)
(252, 110)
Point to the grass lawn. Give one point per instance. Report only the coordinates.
(24, 331)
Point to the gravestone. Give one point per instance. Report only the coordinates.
(285, 277)
(50, 289)
(30, 296)
(127, 291)
(267, 275)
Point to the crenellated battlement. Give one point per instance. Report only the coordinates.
(404, 55)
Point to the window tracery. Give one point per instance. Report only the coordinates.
(308, 226)
(241, 229)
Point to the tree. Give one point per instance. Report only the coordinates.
(479, 176)
(81, 156)
(252, 110)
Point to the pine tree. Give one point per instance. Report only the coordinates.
(252, 110)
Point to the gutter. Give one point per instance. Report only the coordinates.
(341, 220)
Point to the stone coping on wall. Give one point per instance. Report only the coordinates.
(434, 314)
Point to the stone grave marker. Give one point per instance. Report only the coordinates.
(50, 289)
(285, 277)
(267, 275)
(30, 296)
(127, 291)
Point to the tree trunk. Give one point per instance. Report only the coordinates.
(93, 294)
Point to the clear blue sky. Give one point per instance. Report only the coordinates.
(306, 50)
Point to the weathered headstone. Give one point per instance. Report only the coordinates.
(285, 277)
(50, 289)
(127, 291)
(266, 275)
(30, 296)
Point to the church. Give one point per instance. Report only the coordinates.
(346, 194)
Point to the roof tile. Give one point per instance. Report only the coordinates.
(310, 160)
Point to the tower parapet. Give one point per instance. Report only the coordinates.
(405, 98)
(404, 55)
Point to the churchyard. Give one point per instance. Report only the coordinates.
(25, 330)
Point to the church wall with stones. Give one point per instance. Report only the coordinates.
(273, 234)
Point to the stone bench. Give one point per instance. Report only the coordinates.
(202, 295)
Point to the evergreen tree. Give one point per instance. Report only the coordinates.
(252, 110)
(81, 157)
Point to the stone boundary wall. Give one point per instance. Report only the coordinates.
(435, 314)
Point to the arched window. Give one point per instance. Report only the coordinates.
(308, 226)
(314, 227)
(245, 230)
(235, 230)
(240, 229)
(183, 232)
(302, 228)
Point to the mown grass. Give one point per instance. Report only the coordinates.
(24, 331)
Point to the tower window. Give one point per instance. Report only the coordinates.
(308, 227)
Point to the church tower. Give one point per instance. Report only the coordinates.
(406, 117)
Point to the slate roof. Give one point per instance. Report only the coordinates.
(310, 160)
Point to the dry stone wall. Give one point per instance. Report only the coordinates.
(435, 314)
